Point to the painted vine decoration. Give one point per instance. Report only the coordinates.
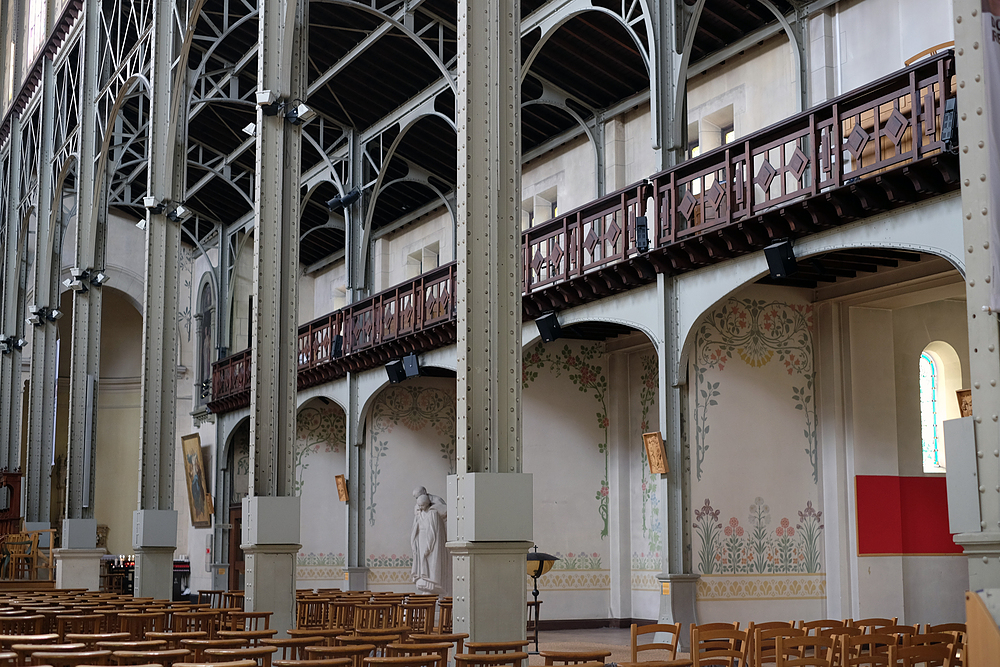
(587, 377)
(317, 428)
(415, 408)
(756, 331)
(755, 548)
(647, 397)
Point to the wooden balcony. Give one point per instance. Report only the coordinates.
(868, 151)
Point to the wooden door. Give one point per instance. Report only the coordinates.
(237, 562)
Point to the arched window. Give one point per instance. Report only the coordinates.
(931, 384)
(206, 314)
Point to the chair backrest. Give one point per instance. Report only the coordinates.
(331, 662)
(648, 634)
(764, 641)
(444, 617)
(511, 659)
(373, 616)
(196, 621)
(138, 624)
(80, 624)
(260, 653)
(803, 651)
(356, 652)
(486, 648)
(198, 646)
(311, 613)
(165, 657)
(899, 630)
(292, 648)
(871, 625)
(70, 658)
(402, 661)
(947, 627)
(865, 650)
(928, 655)
(22, 625)
(718, 647)
(814, 627)
(249, 620)
(419, 616)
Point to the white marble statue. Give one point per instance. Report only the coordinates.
(431, 569)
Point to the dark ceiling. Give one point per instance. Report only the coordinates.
(592, 60)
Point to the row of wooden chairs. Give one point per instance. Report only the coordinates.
(826, 643)
(372, 611)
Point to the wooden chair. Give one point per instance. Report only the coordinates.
(947, 627)
(378, 641)
(812, 628)
(253, 637)
(249, 620)
(718, 647)
(865, 650)
(373, 616)
(19, 556)
(70, 658)
(198, 646)
(233, 599)
(488, 648)
(262, 654)
(78, 624)
(24, 651)
(510, 659)
(419, 617)
(929, 655)
(458, 639)
(138, 624)
(327, 635)
(8, 659)
(6, 641)
(765, 642)
(22, 625)
(870, 625)
(91, 640)
(355, 652)
(402, 661)
(212, 598)
(196, 621)
(291, 648)
(141, 645)
(174, 639)
(439, 649)
(573, 657)
(312, 613)
(231, 663)
(332, 662)
(444, 616)
(165, 657)
(649, 632)
(802, 651)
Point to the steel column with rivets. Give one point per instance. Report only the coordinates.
(44, 336)
(12, 315)
(154, 530)
(489, 561)
(975, 149)
(271, 512)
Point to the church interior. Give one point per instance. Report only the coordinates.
(239, 308)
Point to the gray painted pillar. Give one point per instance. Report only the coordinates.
(154, 534)
(42, 401)
(489, 547)
(357, 570)
(271, 512)
(12, 316)
(978, 181)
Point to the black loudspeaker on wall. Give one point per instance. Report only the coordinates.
(411, 366)
(641, 233)
(548, 327)
(780, 259)
(394, 369)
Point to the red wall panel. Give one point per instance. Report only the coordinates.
(903, 515)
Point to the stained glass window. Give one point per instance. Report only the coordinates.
(930, 412)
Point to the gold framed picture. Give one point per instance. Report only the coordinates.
(199, 495)
(655, 453)
(341, 488)
(965, 402)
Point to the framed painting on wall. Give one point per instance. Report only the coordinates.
(965, 402)
(199, 498)
(655, 453)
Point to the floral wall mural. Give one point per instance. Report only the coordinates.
(416, 408)
(758, 535)
(319, 427)
(581, 368)
(411, 442)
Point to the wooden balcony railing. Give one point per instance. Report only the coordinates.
(870, 150)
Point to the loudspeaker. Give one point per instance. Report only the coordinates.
(411, 366)
(780, 259)
(337, 347)
(949, 124)
(641, 233)
(394, 369)
(548, 327)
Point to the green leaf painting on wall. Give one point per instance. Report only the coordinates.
(415, 408)
(581, 370)
(317, 428)
(758, 332)
(647, 398)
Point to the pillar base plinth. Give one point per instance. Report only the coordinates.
(678, 593)
(78, 568)
(490, 583)
(356, 578)
(270, 582)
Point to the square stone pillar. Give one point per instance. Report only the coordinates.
(678, 594)
(78, 568)
(154, 538)
(271, 546)
(490, 517)
(356, 578)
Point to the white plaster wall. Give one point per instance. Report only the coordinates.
(325, 287)
(391, 251)
(871, 47)
(569, 169)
